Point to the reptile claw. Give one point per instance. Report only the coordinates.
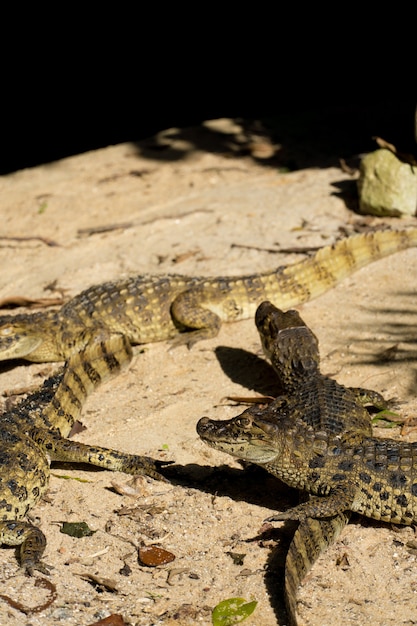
(30, 568)
(151, 468)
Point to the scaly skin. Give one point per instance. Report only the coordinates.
(368, 475)
(310, 540)
(186, 309)
(33, 434)
(317, 437)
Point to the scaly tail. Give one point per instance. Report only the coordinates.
(293, 284)
(311, 538)
(83, 372)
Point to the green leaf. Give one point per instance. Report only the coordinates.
(383, 416)
(232, 611)
(76, 529)
(236, 557)
(65, 477)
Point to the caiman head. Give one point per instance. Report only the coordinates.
(271, 438)
(291, 346)
(250, 436)
(27, 337)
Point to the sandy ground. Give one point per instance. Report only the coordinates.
(203, 212)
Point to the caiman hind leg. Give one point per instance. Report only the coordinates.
(189, 314)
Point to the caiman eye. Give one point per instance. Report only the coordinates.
(245, 422)
(6, 330)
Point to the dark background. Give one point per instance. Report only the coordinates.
(36, 135)
(73, 82)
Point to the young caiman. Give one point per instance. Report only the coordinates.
(317, 437)
(186, 309)
(33, 433)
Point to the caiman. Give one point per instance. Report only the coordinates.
(34, 433)
(186, 309)
(317, 437)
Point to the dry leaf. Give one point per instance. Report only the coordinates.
(105, 583)
(152, 556)
(135, 488)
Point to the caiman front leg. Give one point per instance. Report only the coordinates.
(339, 500)
(67, 451)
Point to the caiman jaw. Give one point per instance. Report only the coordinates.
(240, 437)
(16, 343)
(31, 336)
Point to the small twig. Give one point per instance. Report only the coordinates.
(106, 584)
(251, 399)
(45, 240)
(184, 256)
(382, 143)
(218, 170)
(175, 216)
(346, 168)
(95, 230)
(296, 250)
(176, 571)
(299, 249)
(15, 301)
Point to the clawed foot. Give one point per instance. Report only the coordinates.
(184, 339)
(150, 468)
(287, 515)
(31, 566)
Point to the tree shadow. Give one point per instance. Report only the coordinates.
(397, 335)
(291, 137)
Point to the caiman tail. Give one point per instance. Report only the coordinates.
(291, 285)
(83, 372)
(312, 537)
